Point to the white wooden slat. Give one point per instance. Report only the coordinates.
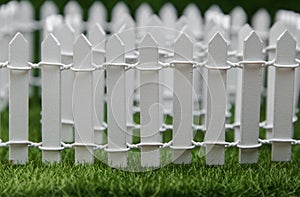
(149, 102)
(4, 48)
(276, 30)
(261, 21)
(194, 19)
(283, 97)
(47, 9)
(118, 10)
(238, 20)
(97, 14)
(18, 99)
(65, 35)
(127, 35)
(250, 101)
(97, 38)
(143, 12)
(73, 16)
(216, 101)
(72, 8)
(297, 74)
(242, 35)
(183, 101)
(116, 107)
(82, 100)
(51, 100)
(168, 15)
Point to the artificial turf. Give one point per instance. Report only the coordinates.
(266, 178)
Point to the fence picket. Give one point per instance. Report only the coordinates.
(149, 102)
(51, 100)
(250, 101)
(242, 35)
(65, 35)
(83, 101)
(116, 110)
(283, 97)
(183, 101)
(216, 101)
(276, 30)
(18, 100)
(97, 36)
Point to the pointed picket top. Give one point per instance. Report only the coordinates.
(148, 49)
(82, 53)
(168, 14)
(261, 20)
(191, 9)
(215, 8)
(142, 14)
(286, 48)
(97, 13)
(253, 47)
(118, 10)
(212, 33)
(126, 20)
(27, 11)
(65, 35)
(18, 51)
(242, 35)
(115, 50)
(72, 8)
(238, 16)
(51, 49)
(183, 49)
(47, 9)
(276, 30)
(217, 51)
(97, 37)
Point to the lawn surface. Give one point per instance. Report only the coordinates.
(197, 179)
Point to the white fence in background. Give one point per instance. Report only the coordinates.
(188, 67)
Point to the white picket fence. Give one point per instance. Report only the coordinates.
(187, 67)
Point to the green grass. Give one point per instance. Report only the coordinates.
(266, 178)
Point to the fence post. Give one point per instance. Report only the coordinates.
(83, 101)
(18, 99)
(276, 30)
(242, 35)
(251, 92)
(283, 97)
(97, 14)
(149, 102)
(96, 36)
(51, 100)
(65, 35)
(116, 110)
(183, 100)
(216, 101)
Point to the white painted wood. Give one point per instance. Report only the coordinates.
(4, 46)
(73, 16)
(116, 107)
(168, 15)
(27, 17)
(51, 100)
(142, 14)
(118, 10)
(251, 89)
(238, 20)
(97, 14)
(65, 35)
(216, 101)
(194, 19)
(242, 35)
(183, 101)
(47, 9)
(127, 34)
(283, 97)
(82, 100)
(149, 102)
(276, 30)
(97, 38)
(261, 21)
(18, 100)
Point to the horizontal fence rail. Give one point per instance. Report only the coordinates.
(194, 69)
